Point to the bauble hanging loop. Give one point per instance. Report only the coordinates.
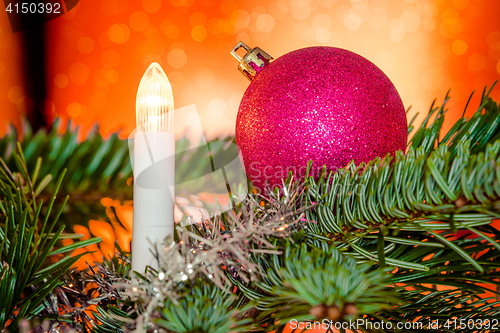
(253, 62)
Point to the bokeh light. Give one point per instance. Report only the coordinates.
(476, 62)
(79, 73)
(198, 19)
(118, 33)
(217, 107)
(177, 58)
(139, 21)
(199, 33)
(151, 6)
(74, 110)
(459, 47)
(15, 94)
(300, 9)
(24, 104)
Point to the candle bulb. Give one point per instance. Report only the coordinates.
(155, 101)
(154, 167)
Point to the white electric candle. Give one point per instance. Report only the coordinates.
(154, 167)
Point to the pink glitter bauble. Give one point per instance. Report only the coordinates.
(324, 104)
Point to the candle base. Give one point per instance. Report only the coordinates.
(154, 176)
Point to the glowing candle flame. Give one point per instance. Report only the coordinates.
(155, 101)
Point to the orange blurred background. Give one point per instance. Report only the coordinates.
(99, 50)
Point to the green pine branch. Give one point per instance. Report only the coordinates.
(396, 212)
(393, 232)
(100, 167)
(402, 238)
(449, 184)
(31, 258)
(305, 284)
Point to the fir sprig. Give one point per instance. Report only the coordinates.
(310, 284)
(31, 259)
(410, 230)
(218, 312)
